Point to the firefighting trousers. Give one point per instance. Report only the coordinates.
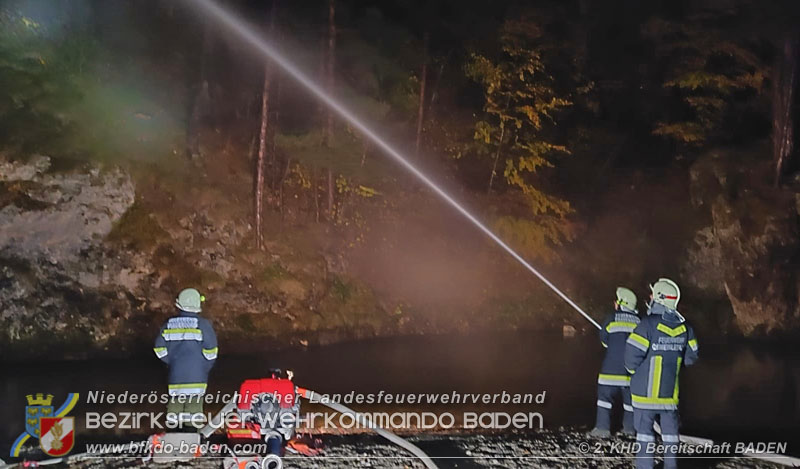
(645, 435)
(607, 396)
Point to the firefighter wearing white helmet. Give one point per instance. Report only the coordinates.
(655, 352)
(188, 345)
(666, 293)
(613, 382)
(190, 300)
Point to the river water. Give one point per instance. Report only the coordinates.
(736, 392)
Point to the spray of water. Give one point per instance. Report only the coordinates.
(241, 28)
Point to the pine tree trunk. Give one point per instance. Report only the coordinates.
(260, 161)
(330, 85)
(276, 105)
(422, 80)
(262, 144)
(273, 158)
(435, 88)
(330, 195)
(281, 182)
(496, 158)
(499, 147)
(314, 191)
(329, 66)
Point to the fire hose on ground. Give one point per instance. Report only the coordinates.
(697, 441)
(236, 25)
(216, 421)
(267, 49)
(363, 419)
(358, 417)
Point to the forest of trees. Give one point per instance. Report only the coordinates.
(510, 98)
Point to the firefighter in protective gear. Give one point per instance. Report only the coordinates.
(655, 352)
(188, 345)
(613, 382)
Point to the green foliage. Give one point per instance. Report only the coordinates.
(345, 186)
(63, 97)
(349, 304)
(138, 230)
(519, 102)
(512, 133)
(378, 63)
(342, 153)
(714, 72)
(404, 96)
(534, 236)
(274, 271)
(373, 109)
(341, 289)
(37, 81)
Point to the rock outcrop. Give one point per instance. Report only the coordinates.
(89, 267)
(60, 289)
(751, 247)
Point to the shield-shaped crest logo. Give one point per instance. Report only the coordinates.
(38, 407)
(58, 435)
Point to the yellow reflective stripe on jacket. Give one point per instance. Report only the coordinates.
(693, 344)
(670, 331)
(181, 331)
(654, 400)
(641, 340)
(655, 372)
(180, 334)
(620, 326)
(655, 388)
(160, 352)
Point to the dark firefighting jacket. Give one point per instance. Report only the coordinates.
(188, 345)
(654, 353)
(613, 336)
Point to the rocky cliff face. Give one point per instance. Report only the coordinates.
(58, 285)
(91, 259)
(751, 246)
(90, 267)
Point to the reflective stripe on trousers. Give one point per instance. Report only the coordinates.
(189, 388)
(643, 421)
(613, 380)
(606, 397)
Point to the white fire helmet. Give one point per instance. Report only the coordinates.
(666, 292)
(626, 298)
(190, 300)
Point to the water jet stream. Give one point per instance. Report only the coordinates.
(248, 34)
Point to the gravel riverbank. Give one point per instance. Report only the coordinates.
(547, 449)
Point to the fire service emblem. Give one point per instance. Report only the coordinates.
(58, 435)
